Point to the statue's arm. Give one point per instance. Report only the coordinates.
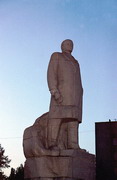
(52, 77)
(52, 72)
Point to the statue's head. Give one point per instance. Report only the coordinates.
(67, 46)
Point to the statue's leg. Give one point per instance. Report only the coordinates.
(73, 142)
(62, 138)
(53, 132)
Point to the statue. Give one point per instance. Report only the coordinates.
(64, 81)
(51, 144)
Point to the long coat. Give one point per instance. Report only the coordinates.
(64, 76)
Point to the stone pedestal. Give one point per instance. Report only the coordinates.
(73, 164)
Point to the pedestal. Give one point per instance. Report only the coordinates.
(70, 164)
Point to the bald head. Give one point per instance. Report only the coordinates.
(67, 46)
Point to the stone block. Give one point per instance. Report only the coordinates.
(73, 164)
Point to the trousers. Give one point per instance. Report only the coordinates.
(67, 129)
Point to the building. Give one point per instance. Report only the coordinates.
(106, 150)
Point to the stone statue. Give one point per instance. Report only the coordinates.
(51, 144)
(64, 81)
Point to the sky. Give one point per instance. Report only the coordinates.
(30, 31)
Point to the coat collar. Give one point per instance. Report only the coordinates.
(69, 58)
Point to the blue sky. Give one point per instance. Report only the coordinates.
(30, 31)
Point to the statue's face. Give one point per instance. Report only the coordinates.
(67, 46)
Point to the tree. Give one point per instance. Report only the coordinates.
(17, 174)
(4, 162)
(12, 174)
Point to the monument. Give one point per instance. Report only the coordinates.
(51, 144)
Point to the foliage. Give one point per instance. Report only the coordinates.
(17, 174)
(4, 162)
(2, 176)
(12, 174)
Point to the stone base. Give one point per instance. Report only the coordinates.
(70, 164)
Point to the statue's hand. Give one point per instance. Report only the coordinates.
(58, 97)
